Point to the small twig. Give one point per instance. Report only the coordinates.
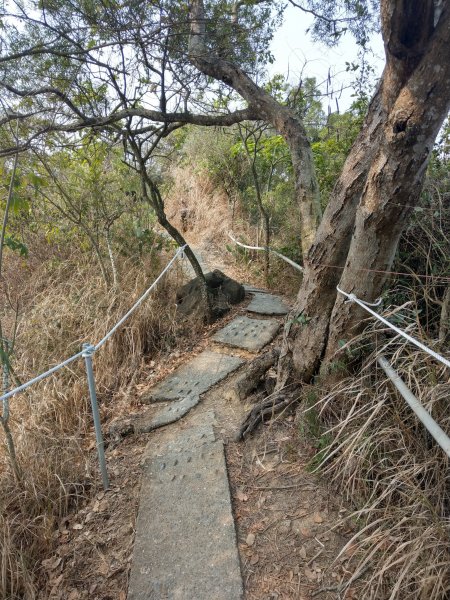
(263, 411)
(342, 586)
(280, 487)
(314, 557)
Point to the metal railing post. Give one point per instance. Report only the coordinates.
(88, 350)
(5, 365)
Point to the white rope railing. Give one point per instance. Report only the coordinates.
(140, 301)
(87, 353)
(66, 362)
(285, 258)
(40, 377)
(366, 306)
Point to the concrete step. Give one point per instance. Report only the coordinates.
(248, 334)
(267, 304)
(194, 377)
(185, 547)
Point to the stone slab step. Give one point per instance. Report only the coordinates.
(267, 304)
(166, 415)
(248, 334)
(185, 547)
(195, 377)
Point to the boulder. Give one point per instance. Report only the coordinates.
(223, 292)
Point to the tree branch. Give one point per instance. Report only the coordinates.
(85, 122)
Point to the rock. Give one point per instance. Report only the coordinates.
(223, 291)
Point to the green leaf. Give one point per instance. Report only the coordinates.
(18, 203)
(300, 320)
(16, 246)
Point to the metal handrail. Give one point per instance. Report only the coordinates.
(422, 414)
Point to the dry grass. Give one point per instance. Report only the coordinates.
(208, 212)
(386, 463)
(51, 423)
(206, 215)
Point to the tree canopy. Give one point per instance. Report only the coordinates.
(136, 72)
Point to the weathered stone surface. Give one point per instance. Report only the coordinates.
(249, 334)
(195, 377)
(251, 289)
(223, 291)
(167, 414)
(187, 439)
(185, 547)
(267, 304)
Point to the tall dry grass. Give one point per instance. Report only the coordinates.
(51, 422)
(371, 444)
(206, 214)
(381, 457)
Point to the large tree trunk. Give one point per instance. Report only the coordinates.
(283, 119)
(379, 186)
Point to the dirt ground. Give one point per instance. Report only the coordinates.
(290, 525)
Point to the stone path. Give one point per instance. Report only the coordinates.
(248, 334)
(185, 546)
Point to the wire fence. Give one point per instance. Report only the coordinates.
(87, 353)
(423, 415)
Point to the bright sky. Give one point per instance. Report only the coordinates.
(297, 55)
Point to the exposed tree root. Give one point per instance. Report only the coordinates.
(265, 410)
(251, 375)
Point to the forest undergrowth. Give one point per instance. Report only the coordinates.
(369, 444)
(66, 303)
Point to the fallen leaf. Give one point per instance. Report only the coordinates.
(302, 552)
(318, 518)
(305, 532)
(103, 569)
(250, 539)
(310, 574)
(254, 559)
(77, 526)
(241, 496)
(55, 582)
(350, 551)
